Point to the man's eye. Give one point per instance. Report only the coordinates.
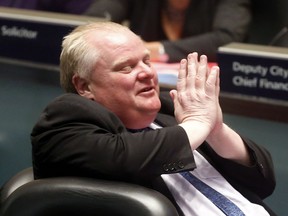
(147, 62)
(127, 69)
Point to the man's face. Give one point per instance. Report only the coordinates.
(124, 81)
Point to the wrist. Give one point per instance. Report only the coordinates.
(218, 131)
(196, 132)
(228, 144)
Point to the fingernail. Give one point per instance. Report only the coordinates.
(203, 58)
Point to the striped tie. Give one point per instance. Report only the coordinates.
(222, 202)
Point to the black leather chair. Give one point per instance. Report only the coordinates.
(69, 196)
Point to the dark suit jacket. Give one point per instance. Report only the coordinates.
(208, 24)
(78, 137)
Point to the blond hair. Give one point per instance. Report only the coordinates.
(79, 56)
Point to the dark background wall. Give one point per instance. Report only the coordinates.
(269, 17)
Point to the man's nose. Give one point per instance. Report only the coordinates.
(146, 71)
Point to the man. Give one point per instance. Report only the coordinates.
(109, 126)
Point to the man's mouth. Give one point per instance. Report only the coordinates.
(147, 89)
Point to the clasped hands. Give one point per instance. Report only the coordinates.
(197, 110)
(196, 99)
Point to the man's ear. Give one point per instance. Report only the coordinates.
(82, 87)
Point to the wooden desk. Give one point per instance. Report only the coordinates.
(254, 107)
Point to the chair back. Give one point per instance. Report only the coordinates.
(78, 196)
(15, 182)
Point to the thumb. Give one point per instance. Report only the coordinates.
(174, 97)
(173, 94)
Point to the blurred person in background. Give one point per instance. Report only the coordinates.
(174, 28)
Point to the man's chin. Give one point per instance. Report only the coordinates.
(152, 106)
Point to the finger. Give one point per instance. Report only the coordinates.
(192, 70)
(173, 94)
(213, 82)
(202, 72)
(181, 82)
(218, 84)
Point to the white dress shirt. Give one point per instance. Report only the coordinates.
(193, 203)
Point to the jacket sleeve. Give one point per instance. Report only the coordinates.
(259, 177)
(76, 136)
